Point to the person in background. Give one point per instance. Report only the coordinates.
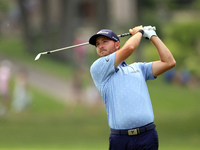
(21, 96)
(5, 77)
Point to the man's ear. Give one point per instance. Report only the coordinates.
(117, 45)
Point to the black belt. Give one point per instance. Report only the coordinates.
(134, 131)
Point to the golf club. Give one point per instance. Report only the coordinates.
(82, 44)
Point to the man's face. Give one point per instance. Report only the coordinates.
(106, 46)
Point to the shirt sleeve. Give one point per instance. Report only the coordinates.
(147, 70)
(102, 69)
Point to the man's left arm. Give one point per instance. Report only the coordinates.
(166, 61)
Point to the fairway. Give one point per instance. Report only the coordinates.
(51, 125)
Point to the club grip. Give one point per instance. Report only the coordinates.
(124, 34)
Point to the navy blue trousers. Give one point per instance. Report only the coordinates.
(143, 141)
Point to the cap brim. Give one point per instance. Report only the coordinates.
(92, 40)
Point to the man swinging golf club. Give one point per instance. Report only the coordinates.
(123, 87)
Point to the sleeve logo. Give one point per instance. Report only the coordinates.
(107, 58)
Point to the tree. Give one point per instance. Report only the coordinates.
(45, 26)
(26, 30)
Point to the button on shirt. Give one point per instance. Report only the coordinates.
(124, 92)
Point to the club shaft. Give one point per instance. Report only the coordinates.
(64, 48)
(82, 44)
(86, 43)
(73, 46)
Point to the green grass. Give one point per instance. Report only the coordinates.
(49, 124)
(177, 114)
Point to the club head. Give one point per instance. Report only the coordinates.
(38, 56)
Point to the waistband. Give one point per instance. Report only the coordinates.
(135, 131)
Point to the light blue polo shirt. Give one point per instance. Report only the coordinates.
(124, 92)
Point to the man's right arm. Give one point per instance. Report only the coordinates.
(130, 46)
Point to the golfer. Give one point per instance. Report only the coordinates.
(123, 87)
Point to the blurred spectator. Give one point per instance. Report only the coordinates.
(5, 75)
(93, 96)
(77, 86)
(79, 53)
(21, 97)
(181, 76)
(185, 76)
(170, 75)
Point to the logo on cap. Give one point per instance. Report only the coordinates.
(102, 32)
(115, 38)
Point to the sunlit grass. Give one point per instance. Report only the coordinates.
(49, 124)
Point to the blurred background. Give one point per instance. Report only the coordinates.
(52, 103)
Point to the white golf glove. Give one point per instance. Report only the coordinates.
(149, 31)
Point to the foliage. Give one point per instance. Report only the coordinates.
(3, 6)
(197, 5)
(171, 4)
(183, 41)
(180, 4)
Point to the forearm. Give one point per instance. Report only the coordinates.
(132, 44)
(164, 53)
(166, 61)
(129, 47)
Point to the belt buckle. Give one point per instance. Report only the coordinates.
(134, 132)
